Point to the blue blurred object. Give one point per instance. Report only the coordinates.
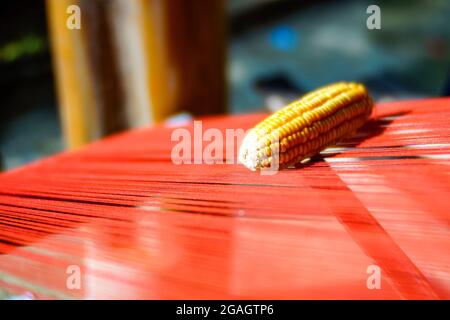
(23, 297)
(284, 38)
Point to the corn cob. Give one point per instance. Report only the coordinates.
(306, 126)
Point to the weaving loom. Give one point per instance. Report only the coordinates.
(140, 226)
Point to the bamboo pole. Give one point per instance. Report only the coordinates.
(72, 76)
(136, 61)
(186, 44)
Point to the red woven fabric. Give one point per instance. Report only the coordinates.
(140, 226)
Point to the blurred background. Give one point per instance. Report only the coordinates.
(136, 62)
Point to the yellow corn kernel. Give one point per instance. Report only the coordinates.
(307, 126)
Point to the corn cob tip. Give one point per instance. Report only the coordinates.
(248, 152)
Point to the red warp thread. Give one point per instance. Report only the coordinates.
(139, 226)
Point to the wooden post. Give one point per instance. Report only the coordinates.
(72, 76)
(136, 61)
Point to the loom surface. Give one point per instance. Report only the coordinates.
(139, 226)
